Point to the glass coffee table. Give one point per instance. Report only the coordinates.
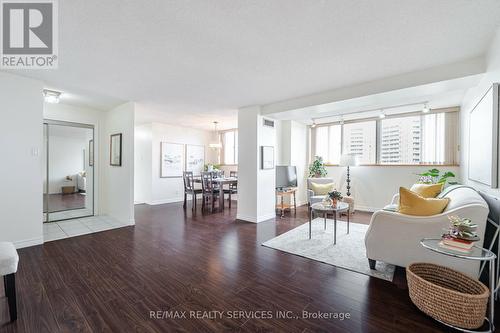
(324, 210)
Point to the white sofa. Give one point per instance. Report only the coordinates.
(394, 238)
(311, 196)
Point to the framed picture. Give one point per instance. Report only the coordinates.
(483, 139)
(171, 159)
(267, 157)
(195, 159)
(91, 153)
(115, 150)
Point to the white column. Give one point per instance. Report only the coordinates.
(256, 187)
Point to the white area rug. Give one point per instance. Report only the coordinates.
(349, 253)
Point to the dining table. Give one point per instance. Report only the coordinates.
(221, 181)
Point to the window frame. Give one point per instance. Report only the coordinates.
(222, 150)
(378, 127)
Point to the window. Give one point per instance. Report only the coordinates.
(407, 139)
(230, 147)
(400, 140)
(328, 143)
(360, 138)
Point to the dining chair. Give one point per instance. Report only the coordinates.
(233, 188)
(209, 190)
(189, 188)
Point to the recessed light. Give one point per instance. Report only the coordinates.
(51, 96)
(426, 108)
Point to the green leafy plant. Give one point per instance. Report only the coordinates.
(214, 167)
(434, 176)
(317, 168)
(335, 195)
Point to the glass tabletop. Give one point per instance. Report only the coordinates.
(476, 253)
(321, 207)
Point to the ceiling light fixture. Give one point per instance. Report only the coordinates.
(426, 108)
(382, 114)
(313, 125)
(51, 96)
(216, 139)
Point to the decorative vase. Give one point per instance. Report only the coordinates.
(334, 202)
(327, 201)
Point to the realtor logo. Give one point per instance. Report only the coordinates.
(29, 34)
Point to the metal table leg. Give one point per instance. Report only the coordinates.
(491, 316)
(334, 228)
(324, 215)
(347, 220)
(310, 221)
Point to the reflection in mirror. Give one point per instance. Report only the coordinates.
(69, 192)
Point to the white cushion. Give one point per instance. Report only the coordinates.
(8, 258)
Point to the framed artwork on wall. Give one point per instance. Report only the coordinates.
(171, 160)
(91, 153)
(267, 157)
(115, 150)
(195, 159)
(483, 139)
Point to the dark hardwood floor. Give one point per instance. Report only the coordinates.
(171, 260)
(58, 202)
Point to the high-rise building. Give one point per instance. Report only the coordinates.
(400, 140)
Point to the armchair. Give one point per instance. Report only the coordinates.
(311, 196)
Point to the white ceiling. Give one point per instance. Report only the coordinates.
(192, 62)
(436, 95)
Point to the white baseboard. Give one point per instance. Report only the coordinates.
(28, 242)
(165, 201)
(255, 219)
(366, 208)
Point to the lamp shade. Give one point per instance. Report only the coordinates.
(349, 160)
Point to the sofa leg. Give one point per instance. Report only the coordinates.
(10, 292)
(372, 263)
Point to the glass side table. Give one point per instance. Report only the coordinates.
(323, 210)
(477, 253)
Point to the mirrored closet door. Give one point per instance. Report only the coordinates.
(69, 171)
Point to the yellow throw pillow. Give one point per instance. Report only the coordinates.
(427, 190)
(410, 203)
(322, 189)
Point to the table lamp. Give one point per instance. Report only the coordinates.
(348, 160)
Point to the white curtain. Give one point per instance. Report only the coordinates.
(440, 138)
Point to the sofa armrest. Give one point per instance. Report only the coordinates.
(395, 199)
(310, 193)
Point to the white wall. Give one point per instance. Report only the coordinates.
(471, 98)
(143, 179)
(256, 187)
(292, 146)
(117, 190)
(373, 186)
(150, 188)
(21, 135)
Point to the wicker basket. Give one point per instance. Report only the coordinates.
(447, 295)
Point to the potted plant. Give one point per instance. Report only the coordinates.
(462, 228)
(434, 176)
(334, 196)
(317, 168)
